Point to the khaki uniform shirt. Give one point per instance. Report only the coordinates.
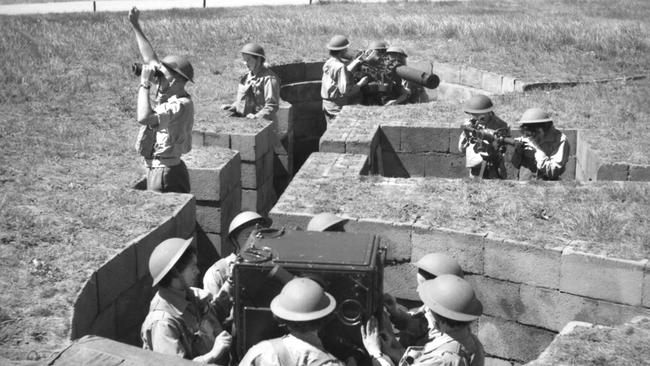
(180, 323)
(175, 118)
(300, 353)
(548, 163)
(259, 94)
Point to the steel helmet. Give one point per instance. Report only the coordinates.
(396, 50)
(253, 49)
(179, 64)
(164, 257)
(535, 115)
(247, 217)
(478, 104)
(338, 43)
(302, 299)
(378, 45)
(451, 297)
(438, 264)
(324, 221)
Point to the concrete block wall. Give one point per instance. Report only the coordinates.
(590, 167)
(459, 82)
(256, 141)
(115, 299)
(529, 292)
(216, 183)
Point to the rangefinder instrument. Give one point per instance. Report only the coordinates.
(349, 266)
(136, 67)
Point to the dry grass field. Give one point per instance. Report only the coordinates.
(68, 97)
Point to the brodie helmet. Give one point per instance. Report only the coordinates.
(535, 115)
(479, 104)
(164, 257)
(397, 50)
(438, 264)
(338, 43)
(253, 49)
(324, 221)
(378, 45)
(180, 65)
(302, 299)
(452, 297)
(244, 218)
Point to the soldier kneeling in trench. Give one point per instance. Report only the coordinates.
(258, 92)
(183, 320)
(454, 307)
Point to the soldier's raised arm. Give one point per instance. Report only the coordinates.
(148, 54)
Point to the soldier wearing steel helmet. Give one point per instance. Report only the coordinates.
(380, 47)
(183, 320)
(326, 221)
(407, 92)
(337, 86)
(258, 92)
(483, 159)
(303, 307)
(239, 231)
(166, 124)
(417, 326)
(544, 151)
(454, 306)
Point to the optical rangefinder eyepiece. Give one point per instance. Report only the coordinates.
(137, 70)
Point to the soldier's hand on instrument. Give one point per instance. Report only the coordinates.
(134, 15)
(370, 337)
(250, 116)
(390, 303)
(222, 344)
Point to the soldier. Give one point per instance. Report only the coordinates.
(417, 326)
(303, 306)
(183, 320)
(406, 91)
(326, 221)
(483, 159)
(337, 85)
(380, 47)
(544, 151)
(454, 307)
(166, 126)
(258, 92)
(239, 231)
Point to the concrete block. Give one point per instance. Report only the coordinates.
(508, 84)
(220, 244)
(308, 120)
(249, 174)
(116, 276)
(290, 73)
(499, 298)
(105, 324)
(396, 237)
(447, 72)
(185, 219)
(601, 277)
(552, 309)
(400, 281)
(132, 307)
(523, 263)
(570, 169)
(470, 76)
(205, 183)
(390, 137)
(216, 139)
(466, 248)
(588, 161)
(572, 137)
(289, 220)
(285, 117)
(424, 139)
(252, 146)
(249, 200)
(208, 216)
(444, 165)
(520, 85)
(85, 308)
(639, 173)
(303, 91)
(197, 138)
(491, 361)
(491, 82)
(314, 70)
(611, 314)
(146, 243)
(510, 340)
(413, 163)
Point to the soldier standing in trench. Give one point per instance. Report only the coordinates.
(337, 86)
(166, 131)
(258, 92)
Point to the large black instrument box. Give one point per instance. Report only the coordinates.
(348, 265)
